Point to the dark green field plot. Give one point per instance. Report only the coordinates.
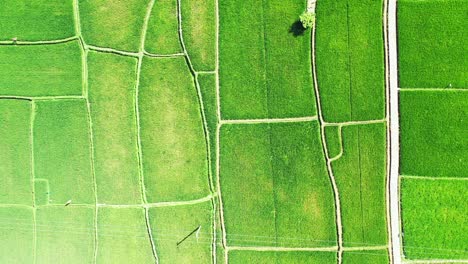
(350, 60)
(171, 224)
(333, 140)
(113, 24)
(433, 136)
(162, 36)
(360, 175)
(16, 225)
(62, 151)
(199, 27)
(434, 219)
(265, 257)
(366, 257)
(65, 235)
(174, 150)
(36, 20)
(265, 68)
(285, 198)
(35, 70)
(432, 50)
(123, 237)
(112, 97)
(15, 154)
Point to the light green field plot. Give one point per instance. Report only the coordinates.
(199, 27)
(366, 257)
(264, 67)
(208, 93)
(112, 97)
(62, 151)
(333, 140)
(123, 237)
(432, 50)
(434, 219)
(15, 154)
(65, 235)
(35, 70)
(16, 239)
(41, 192)
(36, 20)
(172, 224)
(265, 257)
(433, 136)
(350, 60)
(113, 24)
(162, 36)
(360, 175)
(172, 138)
(286, 197)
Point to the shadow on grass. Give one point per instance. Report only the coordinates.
(297, 29)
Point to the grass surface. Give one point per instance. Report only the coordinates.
(112, 97)
(171, 224)
(433, 133)
(61, 150)
(36, 20)
(264, 67)
(332, 138)
(162, 36)
(114, 24)
(35, 70)
(173, 145)
(432, 50)
(17, 235)
(15, 154)
(199, 27)
(65, 235)
(350, 60)
(241, 257)
(41, 192)
(434, 219)
(123, 237)
(360, 175)
(286, 197)
(366, 257)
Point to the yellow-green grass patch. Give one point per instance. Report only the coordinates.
(434, 219)
(433, 137)
(36, 20)
(65, 235)
(361, 178)
(41, 70)
(175, 162)
(172, 224)
(113, 24)
(275, 187)
(62, 150)
(257, 43)
(199, 27)
(350, 60)
(16, 228)
(162, 36)
(366, 257)
(15, 154)
(123, 236)
(333, 140)
(268, 257)
(112, 98)
(432, 50)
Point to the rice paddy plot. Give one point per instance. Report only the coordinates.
(333, 140)
(112, 81)
(366, 257)
(41, 70)
(15, 154)
(286, 197)
(16, 227)
(361, 179)
(267, 257)
(350, 60)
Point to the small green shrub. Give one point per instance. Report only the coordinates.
(307, 19)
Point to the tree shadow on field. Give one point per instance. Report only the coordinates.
(297, 29)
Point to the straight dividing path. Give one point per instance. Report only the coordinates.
(33, 188)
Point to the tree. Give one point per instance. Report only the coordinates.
(307, 19)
